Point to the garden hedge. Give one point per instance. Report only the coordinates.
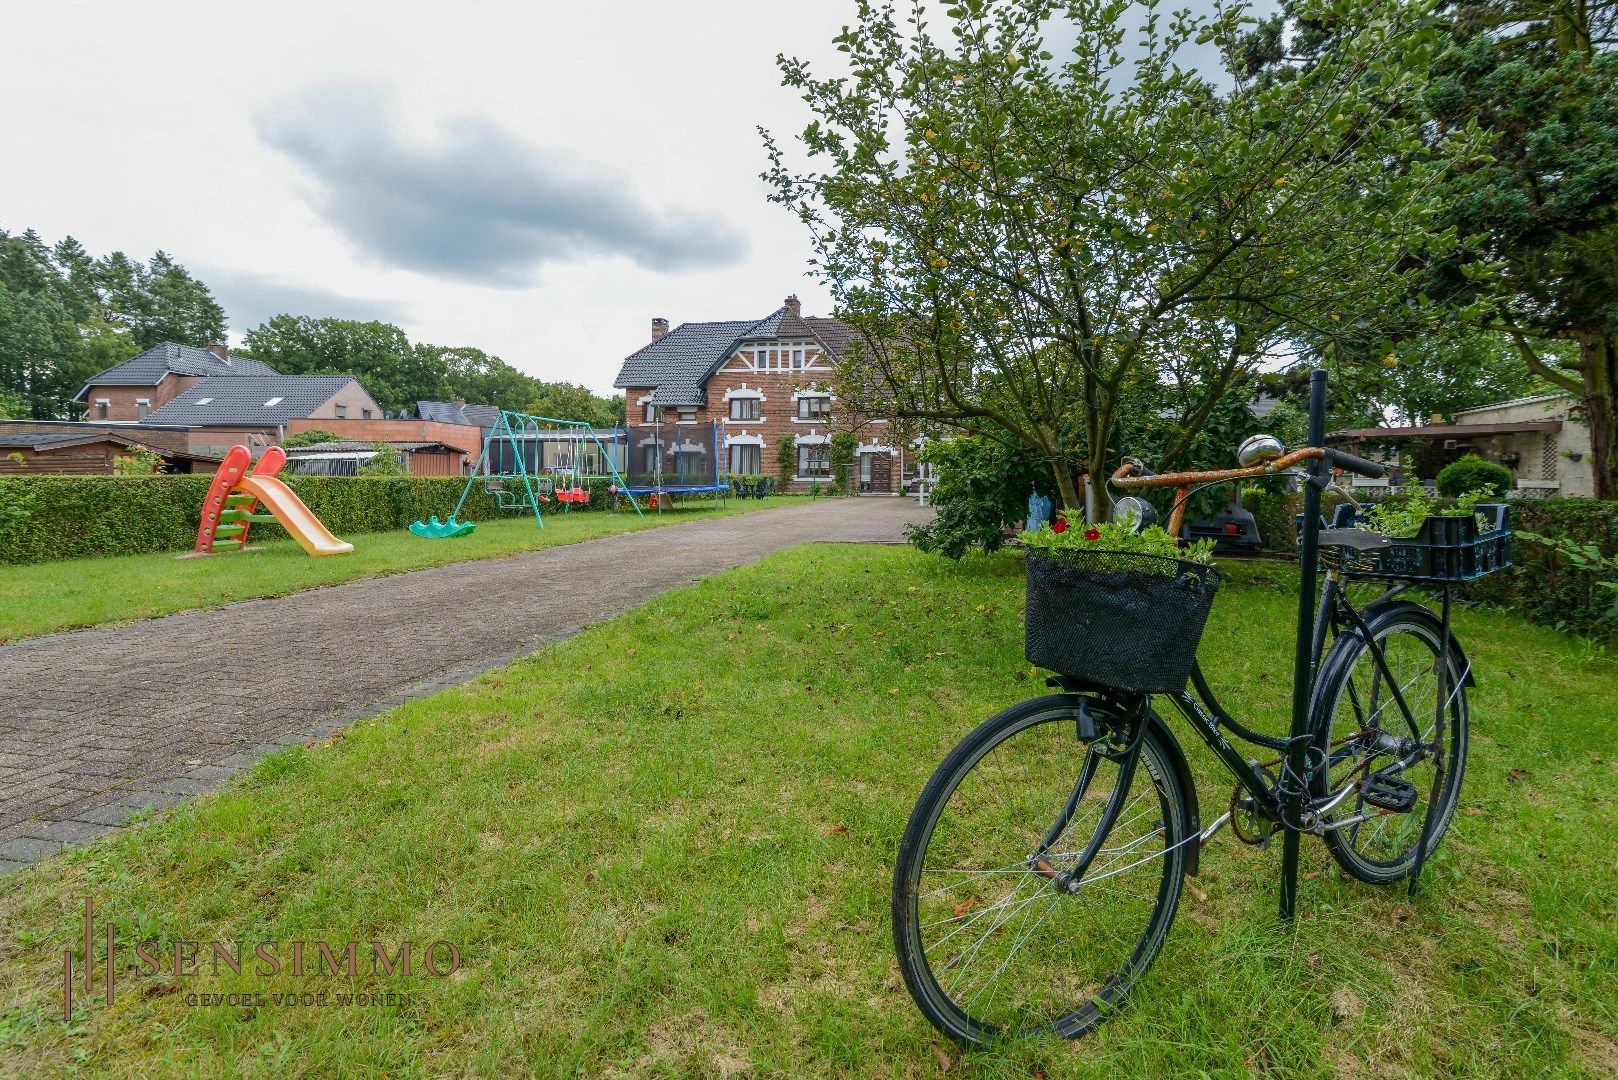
(70, 517)
(1540, 585)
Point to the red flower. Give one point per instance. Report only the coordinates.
(1092, 534)
(1059, 525)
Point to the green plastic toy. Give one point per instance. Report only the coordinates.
(434, 529)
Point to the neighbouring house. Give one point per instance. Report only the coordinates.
(137, 387)
(258, 410)
(1543, 440)
(347, 457)
(760, 380)
(34, 448)
(458, 411)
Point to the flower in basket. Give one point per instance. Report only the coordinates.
(1070, 531)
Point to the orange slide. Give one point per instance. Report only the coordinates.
(293, 516)
(234, 500)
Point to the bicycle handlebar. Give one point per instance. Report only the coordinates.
(1350, 463)
(1131, 475)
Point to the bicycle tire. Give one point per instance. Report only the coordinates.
(1072, 1019)
(1349, 672)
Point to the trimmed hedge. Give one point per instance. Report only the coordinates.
(1540, 586)
(1472, 473)
(73, 517)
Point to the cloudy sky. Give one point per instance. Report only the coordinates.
(535, 179)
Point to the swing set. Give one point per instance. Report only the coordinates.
(512, 469)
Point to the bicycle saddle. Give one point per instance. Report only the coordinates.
(1358, 539)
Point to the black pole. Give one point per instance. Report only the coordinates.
(1297, 763)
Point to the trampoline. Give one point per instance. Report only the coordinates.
(675, 459)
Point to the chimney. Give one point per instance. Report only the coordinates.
(660, 326)
(793, 308)
(459, 402)
(221, 351)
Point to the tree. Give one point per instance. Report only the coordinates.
(1026, 244)
(570, 401)
(395, 372)
(479, 377)
(1539, 77)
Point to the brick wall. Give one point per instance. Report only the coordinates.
(123, 401)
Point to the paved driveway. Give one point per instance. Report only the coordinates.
(99, 724)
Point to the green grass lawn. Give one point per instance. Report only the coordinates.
(44, 598)
(664, 848)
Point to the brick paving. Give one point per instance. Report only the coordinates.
(102, 724)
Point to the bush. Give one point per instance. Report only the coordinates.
(71, 517)
(1471, 473)
(982, 489)
(1545, 583)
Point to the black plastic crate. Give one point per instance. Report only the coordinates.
(1444, 549)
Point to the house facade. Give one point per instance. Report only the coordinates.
(1543, 440)
(761, 382)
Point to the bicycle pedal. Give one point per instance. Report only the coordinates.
(1389, 793)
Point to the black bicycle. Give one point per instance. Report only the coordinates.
(1043, 864)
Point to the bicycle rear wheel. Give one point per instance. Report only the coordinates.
(991, 943)
(1359, 724)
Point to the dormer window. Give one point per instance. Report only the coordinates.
(274, 401)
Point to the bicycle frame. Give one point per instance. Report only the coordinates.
(1287, 802)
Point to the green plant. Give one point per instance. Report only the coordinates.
(138, 462)
(786, 461)
(1471, 473)
(982, 490)
(1070, 532)
(1401, 516)
(389, 461)
(1584, 558)
(310, 438)
(17, 459)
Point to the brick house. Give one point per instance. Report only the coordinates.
(760, 380)
(132, 390)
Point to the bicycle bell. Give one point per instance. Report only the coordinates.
(1258, 449)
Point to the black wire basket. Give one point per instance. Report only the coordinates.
(1117, 619)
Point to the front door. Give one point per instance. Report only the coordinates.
(876, 473)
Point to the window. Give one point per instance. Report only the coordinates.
(103, 406)
(342, 411)
(814, 460)
(365, 414)
(814, 408)
(746, 459)
(688, 414)
(648, 459)
(274, 401)
(797, 359)
(651, 413)
(142, 407)
(744, 408)
(203, 401)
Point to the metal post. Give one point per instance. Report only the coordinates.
(1297, 763)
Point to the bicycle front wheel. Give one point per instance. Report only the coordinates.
(1383, 731)
(992, 939)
